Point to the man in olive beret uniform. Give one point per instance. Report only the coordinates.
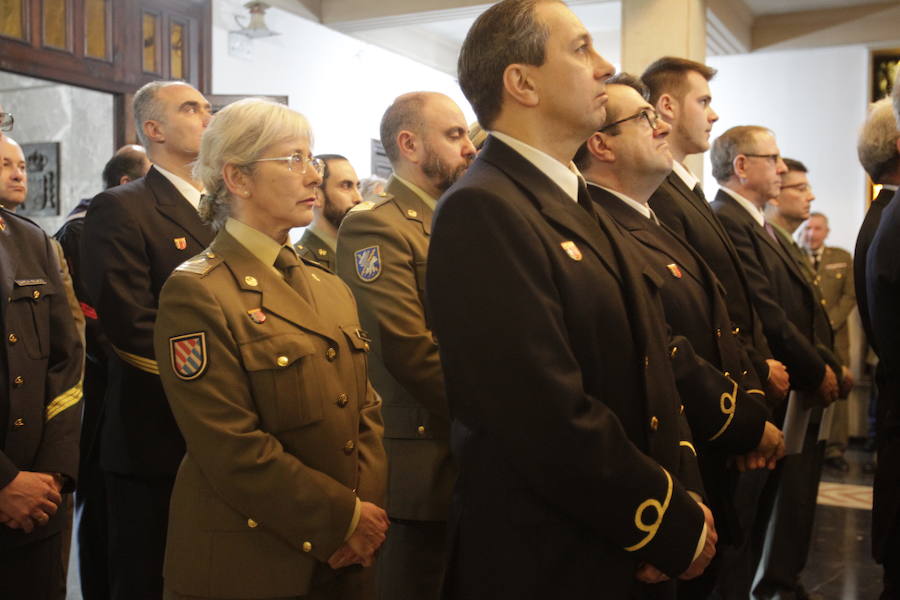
(382, 250)
(338, 194)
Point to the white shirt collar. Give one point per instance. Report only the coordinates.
(889, 186)
(751, 208)
(685, 175)
(190, 193)
(641, 208)
(565, 176)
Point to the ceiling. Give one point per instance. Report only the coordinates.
(432, 31)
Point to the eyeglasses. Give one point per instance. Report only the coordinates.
(800, 187)
(6, 121)
(298, 162)
(773, 157)
(648, 113)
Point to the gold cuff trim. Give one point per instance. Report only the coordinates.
(756, 391)
(138, 362)
(651, 528)
(67, 399)
(687, 444)
(727, 409)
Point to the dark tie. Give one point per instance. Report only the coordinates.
(770, 231)
(288, 263)
(699, 191)
(815, 258)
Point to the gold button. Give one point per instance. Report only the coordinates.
(744, 373)
(251, 523)
(323, 252)
(421, 430)
(282, 361)
(736, 330)
(673, 352)
(19, 423)
(726, 374)
(19, 380)
(348, 447)
(412, 213)
(646, 361)
(682, 409)
(366, 346)
(654, 423)
(210, 255)
(718, 332)
(250, 280)
(342, 400)
(823, 301)
(331, 354)
(839, 275)
(13, 338)
(307, 546)
(35, 294)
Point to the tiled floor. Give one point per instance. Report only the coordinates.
(840, 565)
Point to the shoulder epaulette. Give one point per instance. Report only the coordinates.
(201, 264)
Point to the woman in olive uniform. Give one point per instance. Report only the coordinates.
(264, 365)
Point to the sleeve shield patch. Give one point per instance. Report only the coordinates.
(368, 263)
(189, 358)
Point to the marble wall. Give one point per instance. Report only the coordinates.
(81, 120)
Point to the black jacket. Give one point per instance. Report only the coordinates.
(566, 419)
(134, 237)
(691, 217)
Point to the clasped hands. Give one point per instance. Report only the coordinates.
(29, 500)
(647, 573)
(360, 547)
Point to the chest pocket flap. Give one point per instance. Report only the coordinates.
(356, 337)
(276, 352)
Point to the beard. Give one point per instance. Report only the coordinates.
(332, 213)
(440, 173)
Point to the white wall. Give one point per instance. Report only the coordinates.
(341, 84)
(815, 101)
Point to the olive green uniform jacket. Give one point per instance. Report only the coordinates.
(835, 280)
(406, 368)
(314, 248)
(283, 429)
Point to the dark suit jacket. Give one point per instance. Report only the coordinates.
(405, 367)
(883, 291)
(863, 241)
(134, 236)
(566, 416)
(723, 403)
(782, 295)
(40, 368)
(693, 220)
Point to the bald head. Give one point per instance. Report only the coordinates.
(13, 177)
(130, 162)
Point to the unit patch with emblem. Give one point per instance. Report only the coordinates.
(189, 357)
(368, 263)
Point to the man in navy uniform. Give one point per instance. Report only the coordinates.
(134, 237)
(575, 460)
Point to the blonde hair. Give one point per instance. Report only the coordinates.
(239, 134)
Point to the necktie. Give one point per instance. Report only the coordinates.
(288, 263)
(770, 231)
(699, 191)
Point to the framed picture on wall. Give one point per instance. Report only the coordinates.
(42, 166)
(884, 73)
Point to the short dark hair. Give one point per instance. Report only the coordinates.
(793, 164)
(327, 158)
(404, 113)
(667, 76)
(582, 155)
(737, 140)
(124, 163)
(506, 33)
